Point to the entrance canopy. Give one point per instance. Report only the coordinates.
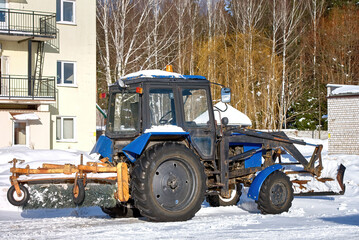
(25, 116)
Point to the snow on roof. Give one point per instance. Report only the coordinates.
(164, 128)
(159, 74)
(26, 116)
(336, 89)
(152, 74)
(235, 117)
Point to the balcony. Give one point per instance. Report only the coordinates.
(22, 88)
(18, 25)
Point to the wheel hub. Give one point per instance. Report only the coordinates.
(278, 194)
(172, 182)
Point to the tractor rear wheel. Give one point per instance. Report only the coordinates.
(219, 201)
(276, 194)
(168, 183)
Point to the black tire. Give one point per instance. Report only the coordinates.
(79, 196)
(122, 211)
(218, 201)
(16, 200)
(276, 194)
(168, 183)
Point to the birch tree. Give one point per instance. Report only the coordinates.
(291, 12)
(104, 52)
(248, 14)
(316, 9)
(161, 36)
(119, 37)
(181, 9)
(193, 13)
(276, 22)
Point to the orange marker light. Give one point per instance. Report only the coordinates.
(139, 90)
(169, 68)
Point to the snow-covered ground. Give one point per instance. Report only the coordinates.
(324, 217)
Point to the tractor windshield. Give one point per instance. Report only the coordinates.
(123, 113)
(162, 107)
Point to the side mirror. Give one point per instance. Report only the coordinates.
(226, 95)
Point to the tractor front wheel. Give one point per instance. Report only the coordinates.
(168, 183)
(276, 194)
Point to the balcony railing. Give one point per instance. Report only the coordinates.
(20, 87)
(32, 23)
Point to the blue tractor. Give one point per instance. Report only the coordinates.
(162, 125)
(169, 153)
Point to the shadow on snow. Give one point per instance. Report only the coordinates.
(347, 219)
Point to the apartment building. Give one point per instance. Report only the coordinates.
(48, 74)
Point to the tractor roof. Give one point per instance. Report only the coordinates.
(159, 76)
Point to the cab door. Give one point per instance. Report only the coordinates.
(198, 119)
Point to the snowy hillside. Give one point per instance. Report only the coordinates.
(324, 217)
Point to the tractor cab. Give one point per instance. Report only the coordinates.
(163, 103)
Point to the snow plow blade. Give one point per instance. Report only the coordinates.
(303, 184)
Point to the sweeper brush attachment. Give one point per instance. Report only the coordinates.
(61, 196)
(66, 186)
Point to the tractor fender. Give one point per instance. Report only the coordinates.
(259, 179)
(135, 148)
(103, 147)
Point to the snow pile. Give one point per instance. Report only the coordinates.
(35, 158)
(164, 128)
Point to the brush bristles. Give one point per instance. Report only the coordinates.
(60, 196)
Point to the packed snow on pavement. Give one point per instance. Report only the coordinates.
(321, 217)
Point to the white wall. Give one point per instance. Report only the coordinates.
(38, 130)
(77, 44)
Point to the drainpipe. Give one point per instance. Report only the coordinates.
(29, 67)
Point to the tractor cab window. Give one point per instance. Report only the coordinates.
(197, 120)
(124, 111)
(162, 107)
(195, 107)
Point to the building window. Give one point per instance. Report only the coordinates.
(66, 72)
(65, 128)
(3, 6)
(20, 133)
(65, 11)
